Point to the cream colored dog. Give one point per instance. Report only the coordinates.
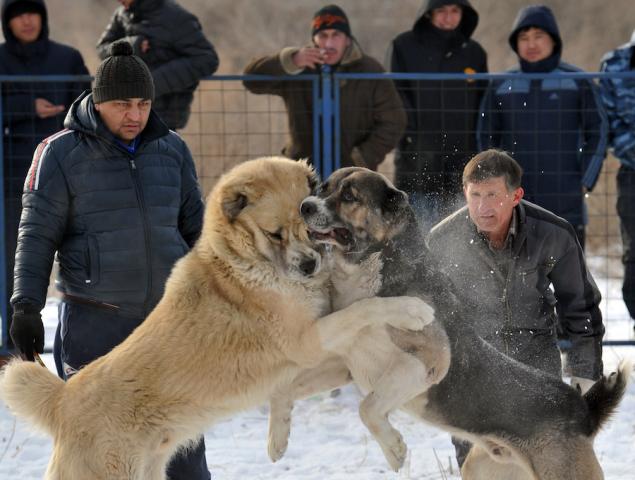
(240, 316)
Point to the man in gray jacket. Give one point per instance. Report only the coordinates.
(522, 272)
(170, 41)
(115, 194)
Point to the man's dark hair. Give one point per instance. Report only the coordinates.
(493, 164)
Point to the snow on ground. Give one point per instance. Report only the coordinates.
(327, 441)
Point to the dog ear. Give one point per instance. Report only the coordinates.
(233, 204)
(394, 199)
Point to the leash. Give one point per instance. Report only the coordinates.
(38, 359)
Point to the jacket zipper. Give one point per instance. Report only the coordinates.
(146, 232)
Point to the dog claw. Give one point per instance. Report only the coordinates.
(396, 454)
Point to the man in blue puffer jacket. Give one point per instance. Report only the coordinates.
(116, 195)
(556, 128)
(618, 95)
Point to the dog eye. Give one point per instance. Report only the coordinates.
(347, 196)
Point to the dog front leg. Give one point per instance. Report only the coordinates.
(338, 330)
(330, 374)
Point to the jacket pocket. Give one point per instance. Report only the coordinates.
(93, 261)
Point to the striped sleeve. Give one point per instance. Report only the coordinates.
(32, 180)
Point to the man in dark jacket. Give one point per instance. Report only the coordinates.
(372, 118)
(522, 272)
(439, 138)
(30, 111)
(618, 95)
(556, 128)
(170, 41)
(115, 194)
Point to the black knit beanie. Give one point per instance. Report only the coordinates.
(330, 16)
(122, 75)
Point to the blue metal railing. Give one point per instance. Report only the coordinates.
(326, 125)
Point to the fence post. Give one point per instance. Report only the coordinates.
(3, 264)
(327, 121)
(317, 113)
(336, 124)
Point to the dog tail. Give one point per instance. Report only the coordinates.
(31, 392)
(605, 395)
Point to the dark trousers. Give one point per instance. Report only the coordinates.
(85, 333)
(626, 212)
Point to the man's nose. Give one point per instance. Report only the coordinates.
(134, 113)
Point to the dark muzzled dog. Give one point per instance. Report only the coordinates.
(513, 413)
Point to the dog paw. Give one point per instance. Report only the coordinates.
(396, 452)
(412, 314)
(277, 443)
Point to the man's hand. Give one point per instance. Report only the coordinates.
(308, 57)
(145, 46)
(45, 109)
(27, 329)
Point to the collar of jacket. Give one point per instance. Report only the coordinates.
(545, 65)
(82, 117)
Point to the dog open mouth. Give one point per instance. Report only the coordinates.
(339, 236)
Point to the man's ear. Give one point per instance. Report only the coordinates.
(233, 203)
(518, 195)
(97, 106)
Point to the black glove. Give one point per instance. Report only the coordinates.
(27, 329)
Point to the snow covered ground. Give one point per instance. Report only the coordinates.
(327, 441)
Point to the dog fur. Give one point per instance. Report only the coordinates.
(238, 318)
(522, 421)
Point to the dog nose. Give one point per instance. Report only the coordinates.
(307, 208)
(308, 266)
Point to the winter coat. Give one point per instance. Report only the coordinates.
(510, 293)
(178, 57)
(372, 118)
(618, 96)
(556, 128)
(22, 128)
(118, 220)
(439, 138)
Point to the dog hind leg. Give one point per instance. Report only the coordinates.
(406, 378)
(479, 465)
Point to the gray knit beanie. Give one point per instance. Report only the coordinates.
(122, 75)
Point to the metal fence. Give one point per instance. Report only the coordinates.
(229, 124)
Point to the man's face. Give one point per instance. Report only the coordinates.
(534, 44)
(491, 205)
(126, 3)
(125, 118)
(447, 17)
(333, 44)
(26, 27)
